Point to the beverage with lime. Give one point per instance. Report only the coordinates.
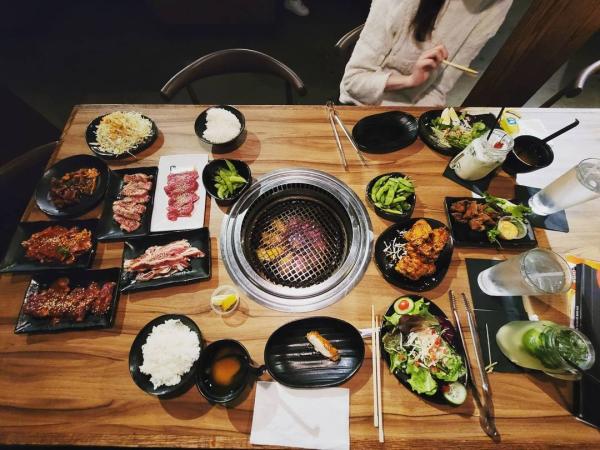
(546, 346)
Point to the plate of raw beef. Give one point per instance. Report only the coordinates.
(180, 197)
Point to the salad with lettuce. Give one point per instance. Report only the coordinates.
(419, 346)
(453, 130)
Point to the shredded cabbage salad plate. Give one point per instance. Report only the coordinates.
(421, 352)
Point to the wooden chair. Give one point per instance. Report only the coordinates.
(574, 88)
(19, 177)
(235, 60)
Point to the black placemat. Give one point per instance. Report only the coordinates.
(555, 222)
(478, 186)
(586, 393)
(495, 312)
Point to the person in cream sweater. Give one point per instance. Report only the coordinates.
(398, 57)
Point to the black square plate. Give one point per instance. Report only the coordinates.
(386, 267)
(88, 202)
(199, 269)
(385, 132)
(15, 262)
(292, 360)
(465, 237)
(108, 229)
(428, 136)
(77, 278)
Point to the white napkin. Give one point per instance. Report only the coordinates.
(305, 418)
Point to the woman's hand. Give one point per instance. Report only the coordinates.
(427, 63)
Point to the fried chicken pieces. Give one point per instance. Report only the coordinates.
(477, 215)
(424, 246)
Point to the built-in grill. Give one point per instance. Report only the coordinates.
(297, 240)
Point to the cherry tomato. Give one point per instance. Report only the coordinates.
(498, 144)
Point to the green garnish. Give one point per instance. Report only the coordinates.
(63, 251)
(516, 212)
(228, 181)
(391, 193)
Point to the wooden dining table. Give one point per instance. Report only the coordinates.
(74, 388)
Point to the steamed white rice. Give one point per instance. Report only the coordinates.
(169, 353)
(221, 126)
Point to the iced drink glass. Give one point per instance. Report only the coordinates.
(535, 272)
(578, 185)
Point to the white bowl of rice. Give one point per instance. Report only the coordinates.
(223, 127)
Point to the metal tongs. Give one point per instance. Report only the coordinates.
(484, 401)
(333, 118)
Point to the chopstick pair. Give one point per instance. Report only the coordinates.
(333, 118)
(460, 67)
(376, 363)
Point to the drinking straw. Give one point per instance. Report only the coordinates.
(497, 120)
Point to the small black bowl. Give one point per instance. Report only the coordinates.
(136, 359)
(243, 381)
(529, 153)
(222, 147)
(398, 218)
(208, 179)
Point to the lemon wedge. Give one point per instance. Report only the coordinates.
(445, 117)
(225, 301)
(508, 230)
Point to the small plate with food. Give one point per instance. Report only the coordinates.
(423, 351)
(448, 132)
(226, 180)
(414, 255)
(489, 222)
(72, 186)
(120, 134)
(166, 259)
(128, 204)
(157, 366)
(392, 196)
(69, 300)
(180, 197)
(38, 246)
(315, 352)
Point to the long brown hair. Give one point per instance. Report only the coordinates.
(425, 18)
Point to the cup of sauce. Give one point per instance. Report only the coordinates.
(226, 373)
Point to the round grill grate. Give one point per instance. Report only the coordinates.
(297, 242)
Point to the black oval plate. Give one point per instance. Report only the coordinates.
(15, 261)
(72, 164)
(136, 359)
(387, 268)
(427, 135)
(438, 397)
(292, 360)
(108, 229)
(199, 267)
(90, 138)
(83, 278)
(385, 132)
(465, 237)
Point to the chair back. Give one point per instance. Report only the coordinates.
(574, 88)
(235, 60)
(345, 45)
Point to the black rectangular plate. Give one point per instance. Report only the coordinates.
(494, 312)
(108, 229)
(15, 262)
(200, 267)
(465, 237)
(83, 278)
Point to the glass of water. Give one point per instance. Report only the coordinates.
(578, 185)
(535, 272)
